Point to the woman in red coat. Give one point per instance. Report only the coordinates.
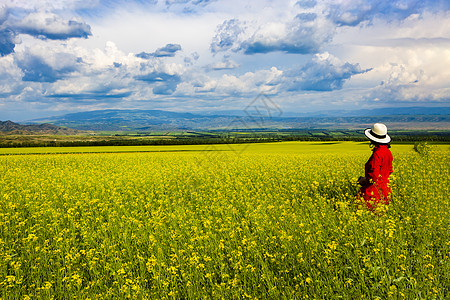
(375, 188)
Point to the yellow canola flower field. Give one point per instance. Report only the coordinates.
(260, 221)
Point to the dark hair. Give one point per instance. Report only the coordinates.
(379, 144)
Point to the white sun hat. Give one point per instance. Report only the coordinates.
(378, 133)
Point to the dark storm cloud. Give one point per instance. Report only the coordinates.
(165, 89)
(262, 47)
(97, 95)
(7, 35)
(52, 26)
(7, 44)
(36, 69)
(166, 84)
(168, 50)
(42, 25)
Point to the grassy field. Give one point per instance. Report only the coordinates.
(257, 221)
(134, 138)
(235, 149)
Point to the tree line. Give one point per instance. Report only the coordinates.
(254, 138)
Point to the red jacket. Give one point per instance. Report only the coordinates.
(377, 171)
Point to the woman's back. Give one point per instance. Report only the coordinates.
(379, 166)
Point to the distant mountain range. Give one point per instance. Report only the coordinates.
(250, 119)
(384, 111)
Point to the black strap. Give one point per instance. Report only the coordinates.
(376, 135)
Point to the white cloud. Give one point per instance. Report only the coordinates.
(10, 78)
(249, 83)
(52, 26)
(144, 31)
(324, 73)
(225, 64)
(306, 33)
(418, 74)
(50, 4)
(410, 58)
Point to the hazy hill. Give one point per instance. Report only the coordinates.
(136, 120)
(384, 111)
(146, 120)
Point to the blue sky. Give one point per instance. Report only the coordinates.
(60, 56)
